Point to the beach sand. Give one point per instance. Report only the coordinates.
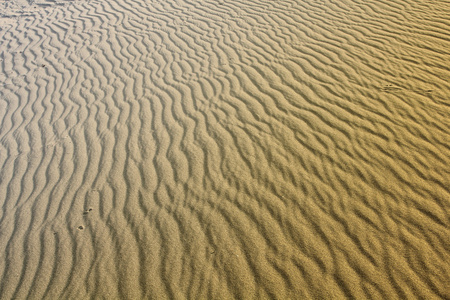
(187, 149)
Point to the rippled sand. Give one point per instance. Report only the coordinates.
(187, 149)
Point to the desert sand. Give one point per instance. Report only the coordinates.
(207, 149)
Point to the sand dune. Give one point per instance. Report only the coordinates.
(184, 149)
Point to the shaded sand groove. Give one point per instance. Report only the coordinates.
(224, 149)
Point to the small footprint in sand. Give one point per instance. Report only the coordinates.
(85, 213)
(424, 92)
(390, 88)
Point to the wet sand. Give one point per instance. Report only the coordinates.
(185, 149)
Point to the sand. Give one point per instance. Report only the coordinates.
(187, 149)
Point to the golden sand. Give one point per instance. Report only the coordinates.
(189, 149)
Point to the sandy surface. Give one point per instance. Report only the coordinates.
(187, 149)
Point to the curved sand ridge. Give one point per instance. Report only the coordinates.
(224, 149)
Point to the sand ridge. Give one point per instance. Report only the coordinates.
(227, 149)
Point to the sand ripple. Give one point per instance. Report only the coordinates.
(224, 149)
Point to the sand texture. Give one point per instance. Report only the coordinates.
(224, 149)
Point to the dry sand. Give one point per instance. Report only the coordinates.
(234, 149)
